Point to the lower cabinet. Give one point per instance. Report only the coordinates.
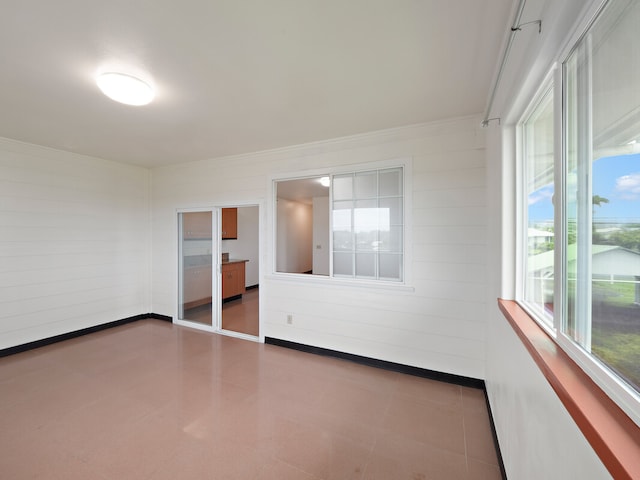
(232, 279)
(197, 283)
(197, 286)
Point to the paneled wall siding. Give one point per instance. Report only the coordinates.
(74, 242)
(437, 323)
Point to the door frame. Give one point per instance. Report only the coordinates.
(216, 268)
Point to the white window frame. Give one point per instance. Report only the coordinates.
(406, 164)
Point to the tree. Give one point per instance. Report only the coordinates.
(596, 201)
(627, 238)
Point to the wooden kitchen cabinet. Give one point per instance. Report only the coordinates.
(229, 223)
(233, 283)
(196, 225)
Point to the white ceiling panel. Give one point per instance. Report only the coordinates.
(237, 76)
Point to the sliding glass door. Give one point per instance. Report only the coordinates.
(196, 269)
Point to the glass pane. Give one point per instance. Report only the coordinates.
(603, 204)
(390, 267)
(390, 182)
(365, 216)
(391, 209)
(391, 240)
(301, 216)
(196, 273)
(343, 241)
(366, 265)
(366, 224)
(342, 225)
(539, 171)
(343, 187)
(367, 241)
(343, 264)
(366, 185)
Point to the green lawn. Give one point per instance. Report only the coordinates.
(621, 351)
(619, 294)
(616, 329)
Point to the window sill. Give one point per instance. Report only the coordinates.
(612, 434)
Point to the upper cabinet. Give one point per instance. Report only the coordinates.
(196, 225)
(229, 223)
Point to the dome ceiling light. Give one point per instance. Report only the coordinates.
(125, 88)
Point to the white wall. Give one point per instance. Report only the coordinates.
(246, 246)
(538, 438)
(294, 237)
(74, 242)
(437, 323)
(320, 235)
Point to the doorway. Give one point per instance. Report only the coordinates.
(219, 270)
(240, 272)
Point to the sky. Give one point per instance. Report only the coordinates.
(614, 178)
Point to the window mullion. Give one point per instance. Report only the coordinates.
(354, 246)
(376, 262)
(584, 201)
(560, 217)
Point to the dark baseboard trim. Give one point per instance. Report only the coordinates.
(231, 299)
(78, 333)
(494, 435)
(374, 362)
(251, 287)
(157, 316)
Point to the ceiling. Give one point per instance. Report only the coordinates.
(302, 190)
(238, 76)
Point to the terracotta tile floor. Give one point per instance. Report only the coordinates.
(238, 315)
(151, 400)
(241, 315)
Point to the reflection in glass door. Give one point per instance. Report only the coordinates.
(196, 281)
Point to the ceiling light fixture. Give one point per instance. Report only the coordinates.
(325, 181)
(124, 88)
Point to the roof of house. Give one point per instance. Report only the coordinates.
(607, 260)
(534, 232)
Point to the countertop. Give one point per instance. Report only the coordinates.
(205, 261)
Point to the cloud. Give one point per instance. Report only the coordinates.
(628, 186)
(541, 195)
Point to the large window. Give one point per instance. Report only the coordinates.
(345, 225)
(602, 204)
(596, 219)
